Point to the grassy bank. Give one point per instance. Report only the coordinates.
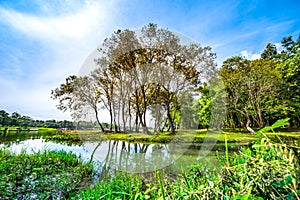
(24, 134)
(15, 130)
(195, 136)
(26, 128)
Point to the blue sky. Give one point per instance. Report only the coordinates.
(43, 42)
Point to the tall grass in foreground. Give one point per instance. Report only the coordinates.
(264, 170)
(42, 175)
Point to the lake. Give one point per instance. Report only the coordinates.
(124, 156)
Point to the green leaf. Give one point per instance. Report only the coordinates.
(280, 123)
(288, 179)
(277, 124)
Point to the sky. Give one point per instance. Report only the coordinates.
(43, 42)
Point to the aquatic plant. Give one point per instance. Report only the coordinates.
(42, 175)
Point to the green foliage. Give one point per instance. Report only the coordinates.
(119, 186)
(204, 107)
(269, 52)
(42, 175)
(268, 170)
(261, 91)
(69, 139)
(265, 170)
(186, 116)
(277, 124)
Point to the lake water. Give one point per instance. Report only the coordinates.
(124, 156)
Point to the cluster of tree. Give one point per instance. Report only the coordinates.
(151, 77)
(142, 77)
(257, 92)
(16, 119)
(261, 91)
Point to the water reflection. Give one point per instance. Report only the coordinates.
(137, 157)
(123, 156)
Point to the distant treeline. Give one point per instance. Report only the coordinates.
(16, 119)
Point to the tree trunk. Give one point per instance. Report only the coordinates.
(129, 112)
(115, 123)
(111, 117)
(247, 118)
(248, 122)
(143, 115)
(144, 126)
(248, 126)
(136, 122)
(96, 112)
(171, 121)
(260, 118)
(123, 117)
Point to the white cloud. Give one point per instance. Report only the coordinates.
(68, 38)
(255, 56)
(245, 53)
(55, 28)
(33, 100)
(249, 55)
(278, 47)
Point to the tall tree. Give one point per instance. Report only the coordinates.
(290, 89)
(154, 61)
(78, 94)
(105, 87)
(286, 104)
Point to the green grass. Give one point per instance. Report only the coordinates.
(119, 186)
(12, 130)
(46, 130)
(196, 136)
(42, 175)
(64, 138)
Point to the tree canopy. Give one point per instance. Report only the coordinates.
(139, 73)
(261, 91)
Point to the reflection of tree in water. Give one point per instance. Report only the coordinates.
(147, 159)
(11, 139)
(136, 157)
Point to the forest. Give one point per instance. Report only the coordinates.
(152, 76)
